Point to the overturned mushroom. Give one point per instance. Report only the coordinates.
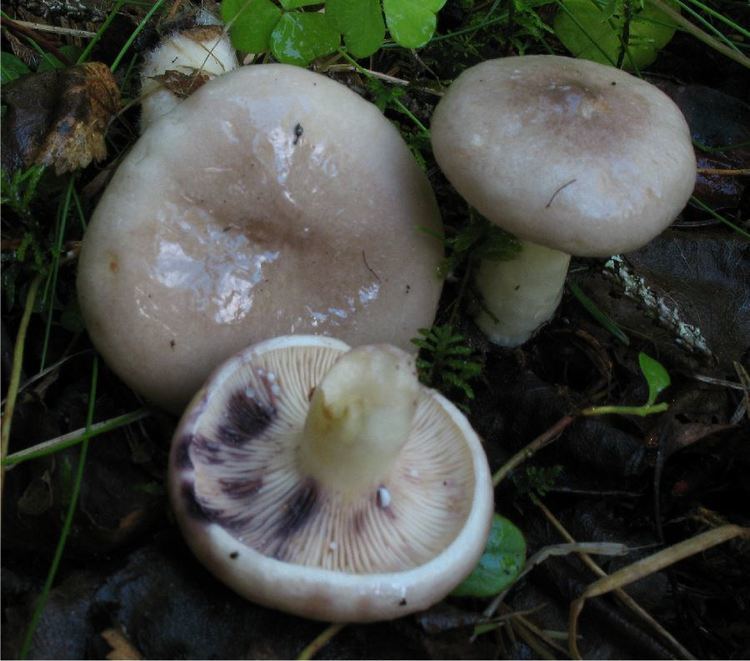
(329, 483)
(273, 200)
(573, 157)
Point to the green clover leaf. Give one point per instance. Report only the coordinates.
(593, 30)
(411, 22)
(361, 23)
(251, 23)
(299, 38)
(502, 561)
(296, 36)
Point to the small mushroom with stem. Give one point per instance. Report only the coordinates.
(573, 157)
(327, 482)
(272, 200)
(182, 61)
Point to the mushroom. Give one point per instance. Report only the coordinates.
(271, 201)
(182, 61)
(573, 157)
(327, 482)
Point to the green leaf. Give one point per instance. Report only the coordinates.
(656, 376)
(361, 23)
(501, 563)
(51, 62)
(383, 96)
(296, 4)
(596, 313)
(11, 67)
(411, 22)
(251, 23)
(593, 30)
(299, 38)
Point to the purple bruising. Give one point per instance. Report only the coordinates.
(239, 489)
(300, 507)
(246, 418)
(207, 451)
(182, 458)
(193, 507)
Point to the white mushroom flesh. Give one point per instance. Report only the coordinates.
(360, 416)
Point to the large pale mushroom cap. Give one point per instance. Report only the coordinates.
(326, 547)
(570, 154)
(272, 201)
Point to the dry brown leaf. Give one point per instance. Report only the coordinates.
(58, 118)
(181, 84)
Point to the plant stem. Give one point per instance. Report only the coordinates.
(135, 33)
(320, 642)
(15, 374)
(368, 74)
(700, 35)
(626, 410)
(42, 602)
(532, 448)
(75, 437)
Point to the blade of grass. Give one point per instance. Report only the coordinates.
(708, 26)
(597, 314)
(44, 596)
(719, 16)
(687, 26)
(15, 373)
(396, 102)
(719, 217)
(79, 210)
(320, 641)
(75, 437)
(135, 33)
(645, 567)
(83, 57)
(48, 297)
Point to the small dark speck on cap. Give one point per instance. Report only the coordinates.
(614, 83)
(172, 343)
(234, 555)
(402, 602)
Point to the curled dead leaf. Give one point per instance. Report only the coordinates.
(58, 118)
(181, 84)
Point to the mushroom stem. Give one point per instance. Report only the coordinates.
(520, 294)
(360, 416)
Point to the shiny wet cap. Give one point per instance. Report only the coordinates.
(570, 154)
(271, 201)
